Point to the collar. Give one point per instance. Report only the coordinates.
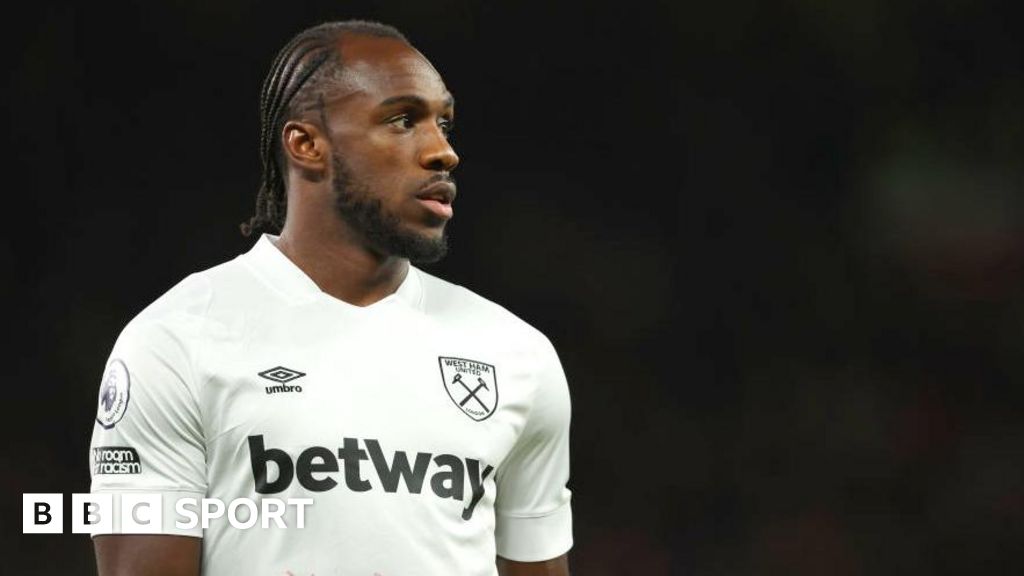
(279, 272)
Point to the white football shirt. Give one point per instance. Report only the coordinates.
(429, 429)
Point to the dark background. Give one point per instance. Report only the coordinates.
(778, 246)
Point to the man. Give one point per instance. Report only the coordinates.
(428, 426)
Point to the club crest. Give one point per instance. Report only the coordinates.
(114, 394)
(472, 386)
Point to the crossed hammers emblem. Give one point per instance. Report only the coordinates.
(472, 393)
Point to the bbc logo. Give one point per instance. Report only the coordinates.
(44, 513)
(92, 513)
(141, 513)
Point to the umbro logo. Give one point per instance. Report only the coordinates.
(282, 376)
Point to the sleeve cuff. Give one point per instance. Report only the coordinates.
(534, 538)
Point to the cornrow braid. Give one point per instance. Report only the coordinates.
(299, 74)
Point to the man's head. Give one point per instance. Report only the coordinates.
(354, 128)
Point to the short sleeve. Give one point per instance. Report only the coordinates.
(147, 436)
(532, 510)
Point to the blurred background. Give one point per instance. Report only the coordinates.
(778, 246)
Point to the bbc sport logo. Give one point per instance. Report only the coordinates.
(145, 513)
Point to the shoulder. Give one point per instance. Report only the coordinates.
(191, 310)
(458, 305)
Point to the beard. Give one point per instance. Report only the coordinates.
(383, 232)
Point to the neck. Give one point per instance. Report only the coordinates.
(341, 266)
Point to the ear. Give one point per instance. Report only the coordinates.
(306, 148)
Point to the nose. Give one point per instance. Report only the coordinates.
(437, 153)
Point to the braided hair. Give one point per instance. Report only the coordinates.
(306, 67)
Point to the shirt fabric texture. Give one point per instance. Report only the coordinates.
(430, 429)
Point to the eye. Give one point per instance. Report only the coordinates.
(403, 121)
(446, 125)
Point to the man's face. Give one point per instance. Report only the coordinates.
(391, 160)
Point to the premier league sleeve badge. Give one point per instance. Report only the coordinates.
(114, 394)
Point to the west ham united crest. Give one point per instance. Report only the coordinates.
(472, 386)
(114, 394)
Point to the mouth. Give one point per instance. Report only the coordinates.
(438, 198)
